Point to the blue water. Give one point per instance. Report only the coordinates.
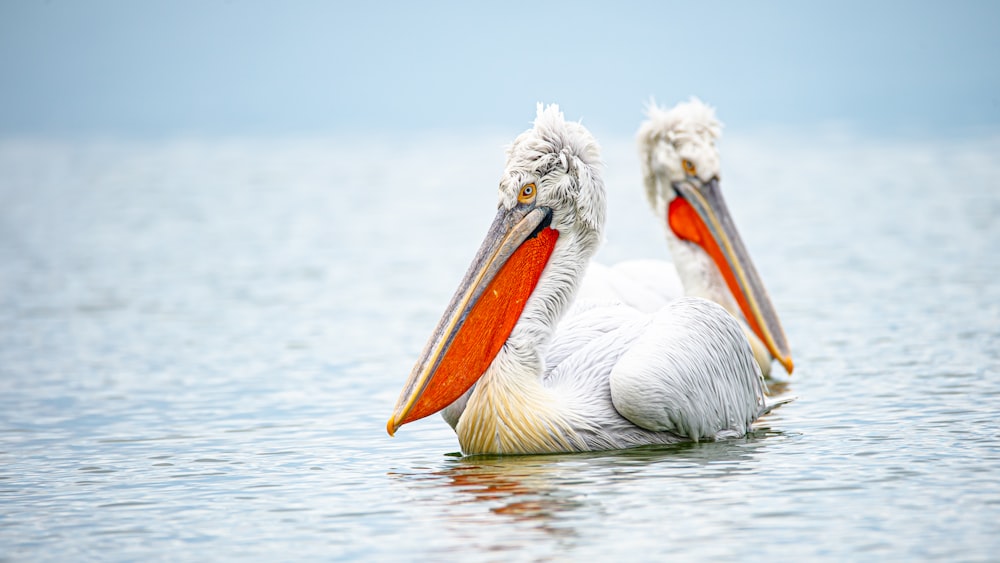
(201, 341)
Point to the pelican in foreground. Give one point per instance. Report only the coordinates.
(512, 379)
(680, 168)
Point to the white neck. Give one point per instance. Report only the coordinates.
(701, 278)
(699, 275)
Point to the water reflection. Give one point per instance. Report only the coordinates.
(526, 489)
(561, 495)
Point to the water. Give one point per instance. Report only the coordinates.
(200, 343)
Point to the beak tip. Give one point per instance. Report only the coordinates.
(788, 364)
(391, 426)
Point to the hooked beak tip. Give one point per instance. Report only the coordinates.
(786, 362)
(391, 426)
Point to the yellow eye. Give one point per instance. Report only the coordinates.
(527, 193)
(689, 167)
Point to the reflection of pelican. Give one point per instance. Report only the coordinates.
(544, 488)
(680, 165)
(524, 489)
(611, 377)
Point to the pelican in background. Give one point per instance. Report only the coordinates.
(515, 380)
(680, 168)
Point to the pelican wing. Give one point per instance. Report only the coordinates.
(691, 372)
(685, 372)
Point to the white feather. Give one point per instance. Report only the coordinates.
(691, 372)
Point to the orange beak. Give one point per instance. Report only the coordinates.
(482, 313)
(699, 214)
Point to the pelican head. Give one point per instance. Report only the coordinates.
(548, 224)
(680, 165)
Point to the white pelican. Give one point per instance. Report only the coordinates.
(610, 377)
(680, 167)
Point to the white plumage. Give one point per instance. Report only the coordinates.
(682, 373)
(605, 377)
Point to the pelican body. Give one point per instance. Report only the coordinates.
(513, 376)
(681, 167)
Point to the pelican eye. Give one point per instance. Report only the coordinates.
(689, 167)
(527, 193)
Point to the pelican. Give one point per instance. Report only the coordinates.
(513, 379)
(680, 167)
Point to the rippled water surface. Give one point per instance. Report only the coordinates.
(200, 343)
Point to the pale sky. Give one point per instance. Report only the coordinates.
(166, 68)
